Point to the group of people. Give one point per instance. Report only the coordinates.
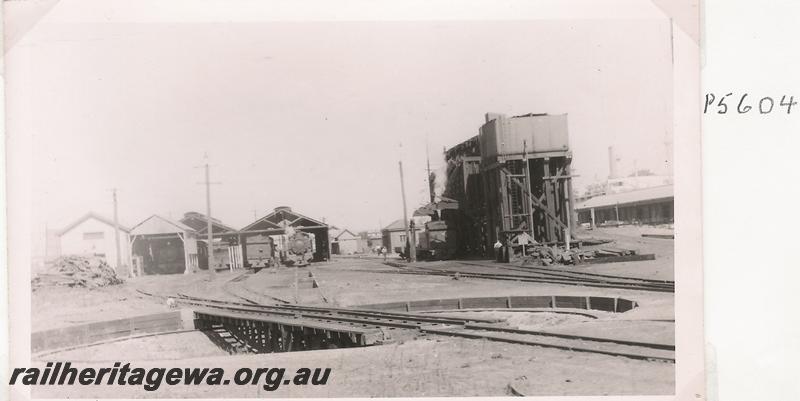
(381, 250)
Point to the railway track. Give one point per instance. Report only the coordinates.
(582, 276)
(399, 319)
(234, 288)
(568, 273)
(407, 324)
(537, 277)
(467, 327)
(641, 351)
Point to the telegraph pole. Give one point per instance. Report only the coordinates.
(430, 181)
(209, 227)
(412, 246)
(116, 229)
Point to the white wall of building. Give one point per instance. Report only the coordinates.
(348, 246)
(94, 237)
(397, 241)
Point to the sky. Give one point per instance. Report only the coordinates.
(316, 115)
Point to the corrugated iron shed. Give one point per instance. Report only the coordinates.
(652, 194)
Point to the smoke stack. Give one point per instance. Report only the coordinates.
(612, 164)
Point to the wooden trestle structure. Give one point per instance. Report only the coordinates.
(530, 193)
(237, 332)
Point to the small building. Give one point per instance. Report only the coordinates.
(373, 240)
(272, 227)
(394, 236)
(162, 246)
(94, 235)
(654, 205)
(344, 242)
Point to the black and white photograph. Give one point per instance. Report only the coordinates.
(248, 200)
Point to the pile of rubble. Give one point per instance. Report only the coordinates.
(524, 249)
(77, 271)
(549, 255)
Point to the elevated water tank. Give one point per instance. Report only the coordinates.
(532, 133)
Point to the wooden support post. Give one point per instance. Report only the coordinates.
(288, 340)
(187, 263)
(284, 338)
(490, 213)
(137, 270)
(504, 206)
(567, 212)
(549, 203)
(243, 244)
(529, 204)
(549, 213)
(573, 214)
(274, 338)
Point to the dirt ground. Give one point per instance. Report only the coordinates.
(428, 366)
(55, 307)
(631, 237)
(424, 367)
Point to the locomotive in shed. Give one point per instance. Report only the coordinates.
(295, 248)
(299, 249)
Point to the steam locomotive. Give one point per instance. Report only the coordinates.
(299, 249)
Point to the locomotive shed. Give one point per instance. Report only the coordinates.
(276, 223)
